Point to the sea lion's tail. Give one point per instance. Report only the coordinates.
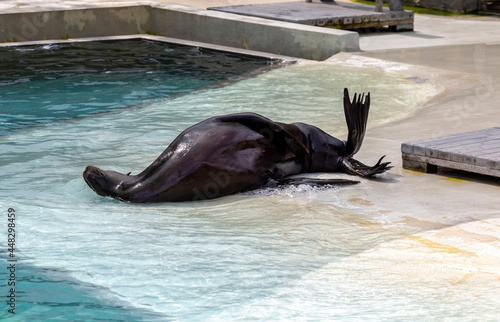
(356, 115)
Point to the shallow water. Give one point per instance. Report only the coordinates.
(275, 254)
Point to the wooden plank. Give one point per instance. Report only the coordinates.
(471, 141)
(494, 154)
(408, 161)
(492, 160)
(455, 139)
(343, 15)
(466, 152)
(418, 163)
(436, 141)
(476, 151)
(478, 139)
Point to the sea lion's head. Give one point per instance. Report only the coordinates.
(106, 183)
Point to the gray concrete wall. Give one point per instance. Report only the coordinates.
(180, 22)
(254, 33)
(30, 26)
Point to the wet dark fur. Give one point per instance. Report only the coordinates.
(239, 152)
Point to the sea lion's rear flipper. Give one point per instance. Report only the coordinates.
(356, 115)
(355, 167)
(269, 129)
(315, 182)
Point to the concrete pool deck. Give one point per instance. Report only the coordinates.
(63, 20)
(456, 212)
(452, 214)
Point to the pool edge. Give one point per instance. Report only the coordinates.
(283, 59)
(179, 22)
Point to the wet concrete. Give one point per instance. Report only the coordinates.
(451, 208)
(455, 215)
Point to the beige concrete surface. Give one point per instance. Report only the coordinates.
(452, 214)
(20, 5)
(449, 208)
(461, 55)
(435, 31)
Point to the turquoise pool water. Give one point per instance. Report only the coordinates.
(293, 253)
(45, 84)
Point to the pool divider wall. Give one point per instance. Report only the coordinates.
(181, 22)
(75, 23)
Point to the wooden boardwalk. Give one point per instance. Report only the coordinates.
(477, 151)
(341, 15)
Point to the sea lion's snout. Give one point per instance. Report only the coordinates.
(96, 179)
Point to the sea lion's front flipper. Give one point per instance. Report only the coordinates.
(357, 168)
(315, 182)
(267, 128)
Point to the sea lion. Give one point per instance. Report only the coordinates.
(233, 153)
